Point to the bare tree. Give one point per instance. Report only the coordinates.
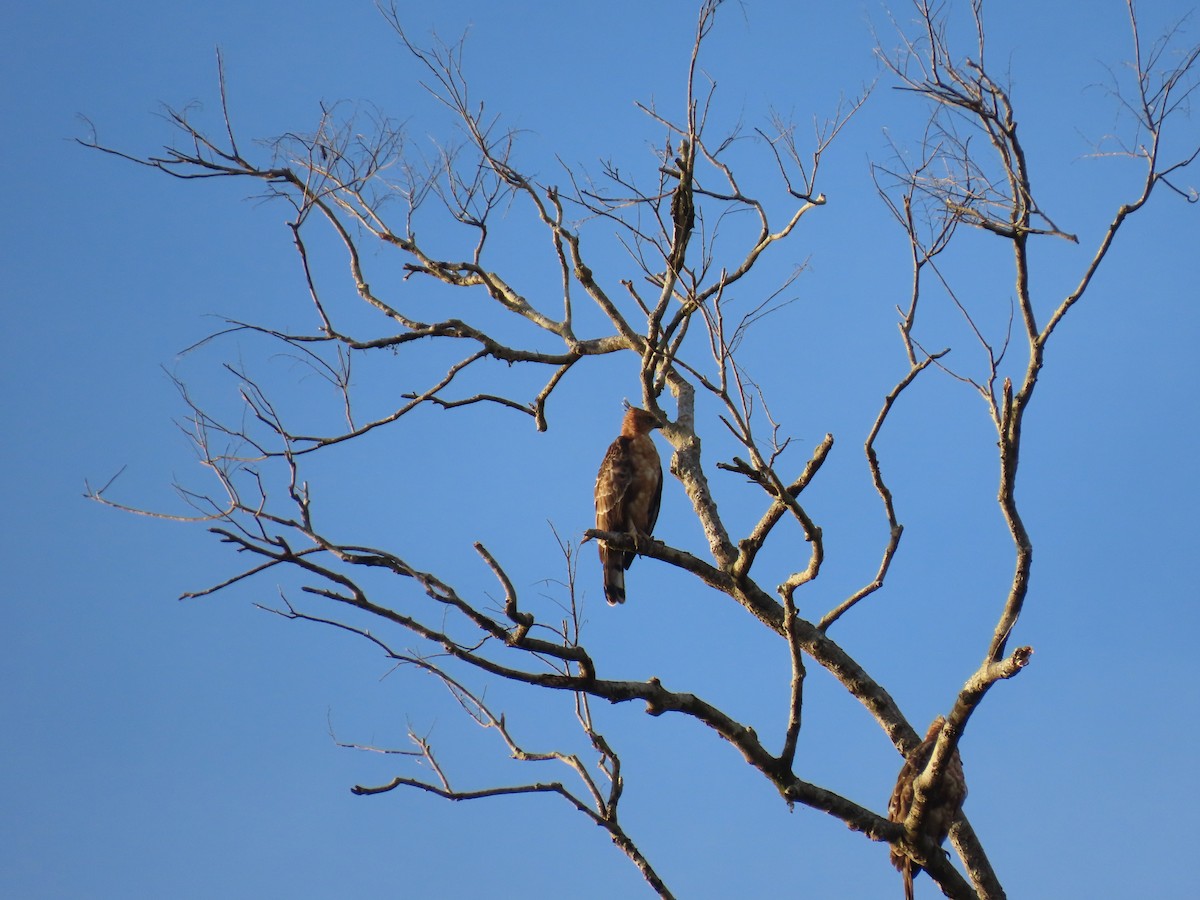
(681, 218)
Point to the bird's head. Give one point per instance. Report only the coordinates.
(638, 420)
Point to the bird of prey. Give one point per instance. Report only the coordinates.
(628, 493)
(943, 804)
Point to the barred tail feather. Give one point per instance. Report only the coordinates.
(614, 581)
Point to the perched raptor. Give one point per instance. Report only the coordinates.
(944, 802)
(628, 492)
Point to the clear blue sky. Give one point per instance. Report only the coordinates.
(158, 748)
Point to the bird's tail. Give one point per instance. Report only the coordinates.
(614, 576)
(908, 879)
